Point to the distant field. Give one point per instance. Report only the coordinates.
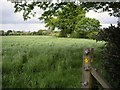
(44, 61)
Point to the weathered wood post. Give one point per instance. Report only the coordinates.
(87, 59)
(91, 54)
(90, 76)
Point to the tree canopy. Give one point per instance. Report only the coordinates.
(51, 8)
(65, 15)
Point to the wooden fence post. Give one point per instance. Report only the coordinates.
(86, 77)
(90, 75)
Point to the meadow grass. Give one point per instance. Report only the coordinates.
(45, 61)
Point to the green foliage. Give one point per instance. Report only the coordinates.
(51, 23)
(63, 33)
(75, 35)
(72, 20)
(92, 35)
(8, 32)
(68, 14)
(2, 33)
(86, 27)
(68, 17)
(51, 9)
(88, 24)
(84, 34)
(39, 32)
(111, 52)
(55, 33)
(19, 33)
(111, 7)
(44, 61)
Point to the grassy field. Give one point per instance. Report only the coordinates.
(44, 61)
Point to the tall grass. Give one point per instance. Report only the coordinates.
(43, 61)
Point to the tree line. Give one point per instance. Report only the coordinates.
(18, 33)
(87, 34)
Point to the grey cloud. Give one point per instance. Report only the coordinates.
(108, 20)
(8, 15)
(103, 17)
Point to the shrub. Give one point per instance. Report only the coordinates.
(62, 34)
(74, 35)
(44, 33)
(54, 33)
(92, 35)
(81, 34)
(111, 52)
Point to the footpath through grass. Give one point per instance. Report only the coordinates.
(44, 61)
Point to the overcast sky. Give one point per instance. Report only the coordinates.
(14, 21)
